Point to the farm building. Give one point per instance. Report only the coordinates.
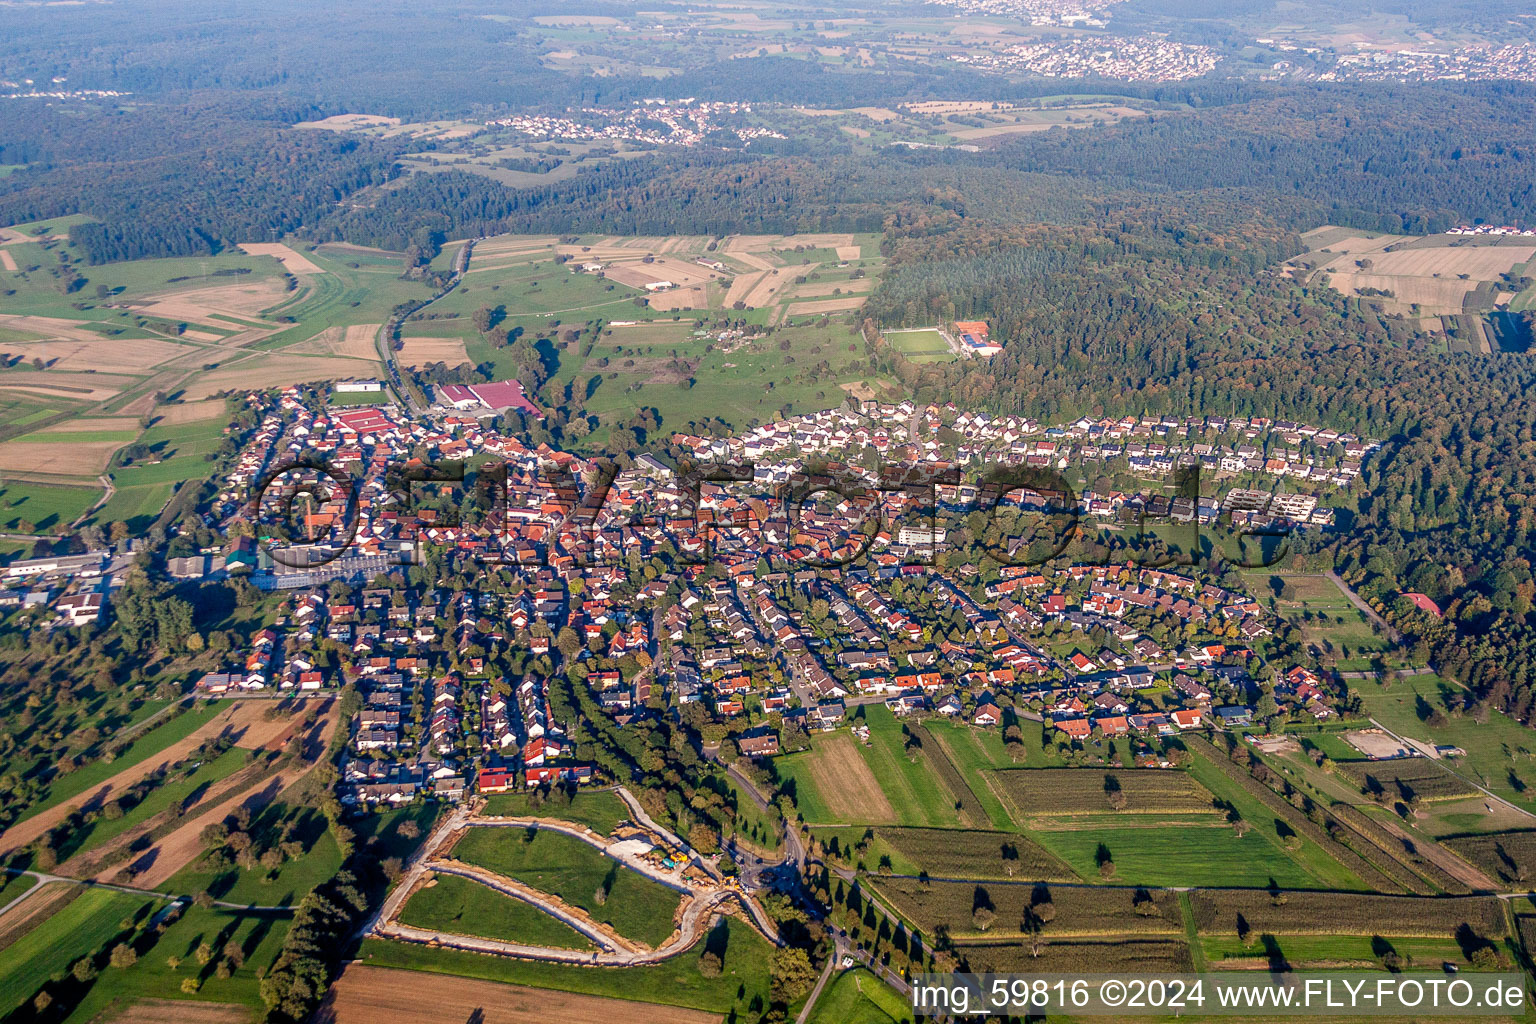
(498, 396)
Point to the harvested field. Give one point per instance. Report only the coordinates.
(696, 297)
(502, 244)
(364, 995)
(681, 272)
(765, 291)
(49, 328)
(824, 306)
(272, 370)
(240, 299)
(956, 853)
(742, 287)
(243, 721)
(8, 262)
(96, 387)
(1429, 274)
(348, 122)
(849, 252)
(67, 458)
(98, 353)
(749, 258)
(293, 262)
(1079, 912)
(1328, 913)
(846, 784)
(354, 342)
(421, 351)
(1065, 791)
(769, 243)
(179, 1011)
(1404, 778)
(188, 412)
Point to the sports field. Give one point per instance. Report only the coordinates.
(921, 346)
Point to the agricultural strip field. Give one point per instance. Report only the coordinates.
(1051, 792)
(1406, 778)
(1074, 911)
(1337, 865)
(833, 784)
(1509, 857)
(365, 994)
(634, 906)
(87, 923)
(1180, 854)
(453, 904)
(675, 982)
(952, 853)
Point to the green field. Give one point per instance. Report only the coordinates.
(600, 810)
(257, 886)
(688, 377)
(453, 904)
(47, 508)
(675, 982)
(1499, 753)
(858, 997)
(926, 346)
(1326, 618)
(258, 937)
(635, 906)
(177, 788)
(89, 922)
(913, 792)
(14, 886)
(1176, 855)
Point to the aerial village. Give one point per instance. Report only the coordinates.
(720, 600)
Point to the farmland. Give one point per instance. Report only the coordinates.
(1431, 276)
(84, 926)
(674, 982)
(1507, 856)
(364, 993)
(848, 781)
(1333, 627)
(633, 905)
(858, 997)
(1499, 751)
(453, 904)
(1031, 792)
(1017, 908)
(1406, 779)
